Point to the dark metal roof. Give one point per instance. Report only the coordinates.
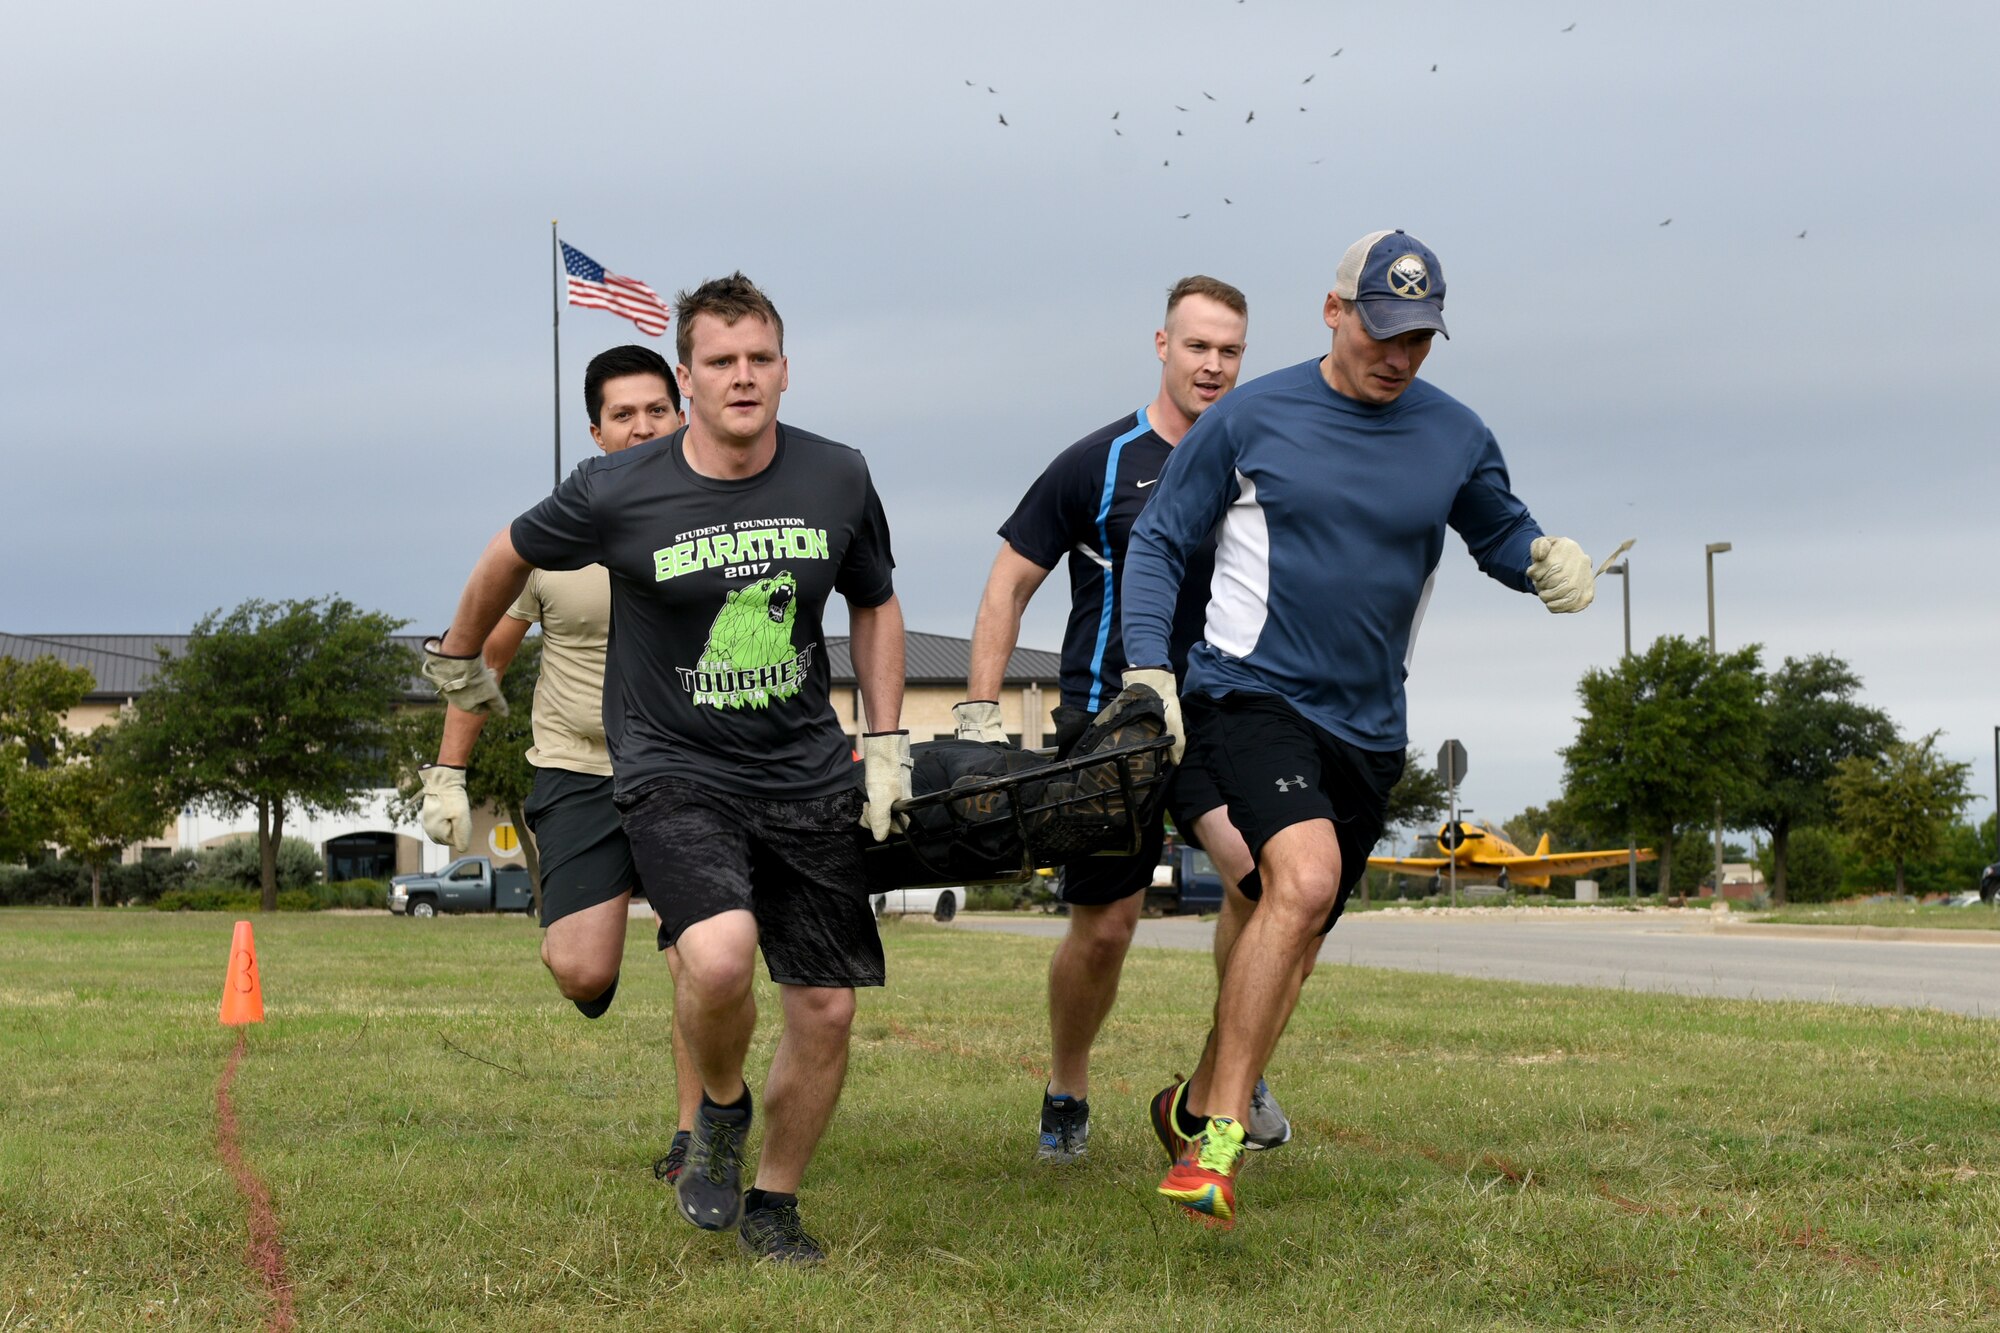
(124, 664)
(940, 659)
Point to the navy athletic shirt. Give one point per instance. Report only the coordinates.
(1083, 506)
(1333, 514)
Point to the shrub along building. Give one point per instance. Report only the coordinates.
(370, 843)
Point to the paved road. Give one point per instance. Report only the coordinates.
(1627, 952)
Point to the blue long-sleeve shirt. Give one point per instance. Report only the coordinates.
(1333, 514)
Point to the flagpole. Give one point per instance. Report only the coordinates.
(555, 324)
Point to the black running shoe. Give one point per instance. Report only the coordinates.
(774, 1232)
(1065, 1129)
(710, 1186)
(1165, 1102)
(668, 1168)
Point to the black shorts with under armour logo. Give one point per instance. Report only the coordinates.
(1274, 769)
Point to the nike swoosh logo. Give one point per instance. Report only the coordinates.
(1144, 484)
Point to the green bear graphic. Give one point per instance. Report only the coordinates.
(753, 630)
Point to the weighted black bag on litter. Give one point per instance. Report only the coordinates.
(984, 812)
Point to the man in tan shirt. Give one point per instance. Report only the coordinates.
(588, 874)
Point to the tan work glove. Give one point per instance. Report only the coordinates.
(1161, 682)
(446, 816)
(978, 720)
(1561, 574)
(463, 682)
(885, 773)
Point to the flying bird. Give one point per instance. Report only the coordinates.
(1301, 108)
(1336, 54)
(1252, 116)
(1209, 98)
(1665, 223)
(1226, 199)
(1570, 28)
(1178, 134)
(1163, 162)
(989, 87)
(1179, 107)
(1115, 130)
(1801, 236)
(1003, 118)
(970, 84)
(1187, 215)
(1434, 69)
(1114, 115)
(1307, 79)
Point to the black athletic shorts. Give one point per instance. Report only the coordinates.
(1096, 881)
(794, 865)
(1275, 769)
(585, 857)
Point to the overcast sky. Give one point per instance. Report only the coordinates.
(277, 284)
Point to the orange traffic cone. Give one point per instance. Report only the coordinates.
(242, 992)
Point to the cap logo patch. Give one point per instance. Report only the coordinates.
(1409, 278)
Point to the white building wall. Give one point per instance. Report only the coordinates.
(198, 828)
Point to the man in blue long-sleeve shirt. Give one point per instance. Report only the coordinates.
(1332, 483)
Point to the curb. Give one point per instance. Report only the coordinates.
(1905, 934)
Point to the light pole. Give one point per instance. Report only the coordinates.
(1623, 569)
(1715, 549)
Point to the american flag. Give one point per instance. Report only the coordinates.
(591, 285)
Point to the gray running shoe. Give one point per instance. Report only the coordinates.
(1268, 1127)
(1065, 1129)
(710, 1187)
(774, 1232)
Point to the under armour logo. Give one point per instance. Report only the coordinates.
(1295, 783)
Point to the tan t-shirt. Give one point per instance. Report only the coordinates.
(573, 607)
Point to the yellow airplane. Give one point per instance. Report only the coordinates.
(1480, 850)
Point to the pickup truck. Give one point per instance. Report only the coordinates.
(1187, 882)
(469, 884)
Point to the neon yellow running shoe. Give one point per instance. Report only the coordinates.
(1203, 1179)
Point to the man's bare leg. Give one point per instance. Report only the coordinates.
(687, 1079)
(1226, 848)
(1083, 985)
(584, 950)
(804, 1083)
(1300, 868)
(714, 1007)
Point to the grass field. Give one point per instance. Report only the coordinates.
(1469, 1154)
(1856, 913)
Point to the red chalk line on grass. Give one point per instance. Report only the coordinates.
(266, 1254)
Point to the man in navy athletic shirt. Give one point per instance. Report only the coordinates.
(1082, 508)
(1327, 488)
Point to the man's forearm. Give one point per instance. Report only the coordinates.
(876, 644)
(994, 634)
(496, 581)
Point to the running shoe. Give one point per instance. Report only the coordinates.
(1203, 1180)
(710, 1186)
(1268, 1127)
(1065, 1129)
(1165, 1103)
(668, 1168)
(774, 1232)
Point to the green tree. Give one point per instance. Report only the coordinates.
(1812, 721)
(499, 774)
(1665, 736)
(275, 708)
(105, 802)
(35, 697)
(1818, 864)
(1419, 797)
(1897, 804)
